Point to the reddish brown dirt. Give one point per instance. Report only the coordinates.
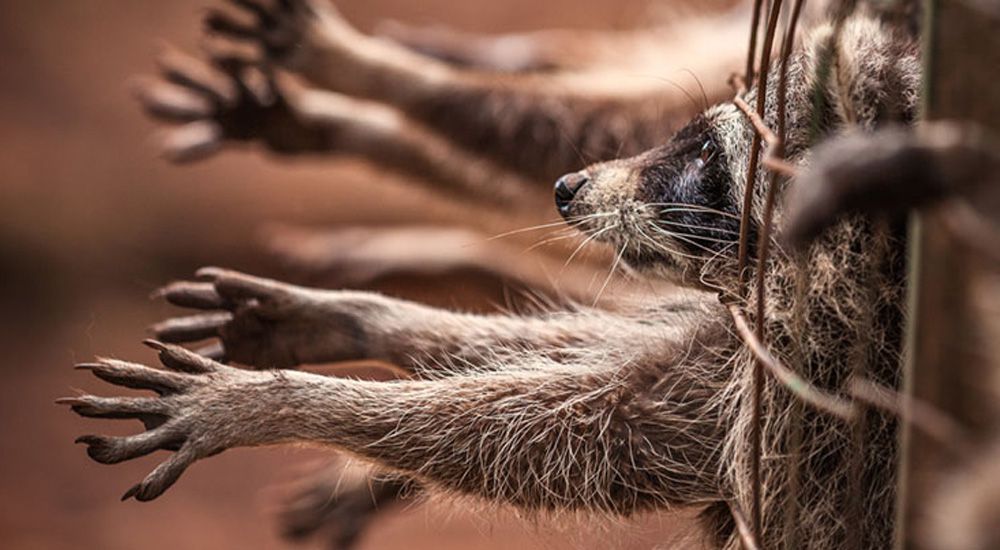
(91, 221)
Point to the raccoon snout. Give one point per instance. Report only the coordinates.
(567, 187)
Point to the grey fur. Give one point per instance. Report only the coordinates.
(602, 412)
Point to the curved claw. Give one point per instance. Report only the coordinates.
(245, 314)
(181, 359)
(136, 376)
(112, 450)
(114, 407)
(163, 476)
(168, 419)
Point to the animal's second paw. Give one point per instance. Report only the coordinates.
(228, 100)
(199, 412)
(334, 505)
(260, 322)
(286, 31)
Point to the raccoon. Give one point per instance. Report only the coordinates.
(480, 136)
(646, 407)
(472, 131)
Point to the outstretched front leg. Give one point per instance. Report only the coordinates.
(540, 126)
(269, 324)
(229, 101)
(598, 437)
(235, 101)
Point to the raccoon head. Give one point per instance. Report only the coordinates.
(673, 211)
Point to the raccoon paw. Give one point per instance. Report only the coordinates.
(192, 414)
(259, 322)
(339, 511)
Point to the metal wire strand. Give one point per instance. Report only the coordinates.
(798, 386)
(758, 372)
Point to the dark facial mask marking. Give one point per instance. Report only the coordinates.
(689, 181)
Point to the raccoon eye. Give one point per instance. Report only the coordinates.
(707, 152)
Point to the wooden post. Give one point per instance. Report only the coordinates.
(961, 59)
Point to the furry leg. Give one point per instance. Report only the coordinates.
(540, 126)
(237, 101)
(599, 438)
(269, 324)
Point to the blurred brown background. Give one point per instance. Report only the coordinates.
(91, 221)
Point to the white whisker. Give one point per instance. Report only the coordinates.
(699, 227)
(693, 236)
(611, 273)
(681, 207)
(697, 244)
(551, 224)
(551, 240)
(665, 247)
(585, 242)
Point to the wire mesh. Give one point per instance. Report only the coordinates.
(860, 390)
(775, 149)
(767, 152)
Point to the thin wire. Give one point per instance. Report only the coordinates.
(791, 380)
(758, 371)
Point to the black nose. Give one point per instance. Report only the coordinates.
(566, 189)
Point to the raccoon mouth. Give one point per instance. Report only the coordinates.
(566, 189)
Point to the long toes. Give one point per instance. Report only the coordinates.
(192, 328)
(163, 476)
(192, 295)
(114, 407)
(191, 142)
(239, 286)
(171, 102)
(112, 450)
(135, 376)
(188, 72)
(182, 359)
